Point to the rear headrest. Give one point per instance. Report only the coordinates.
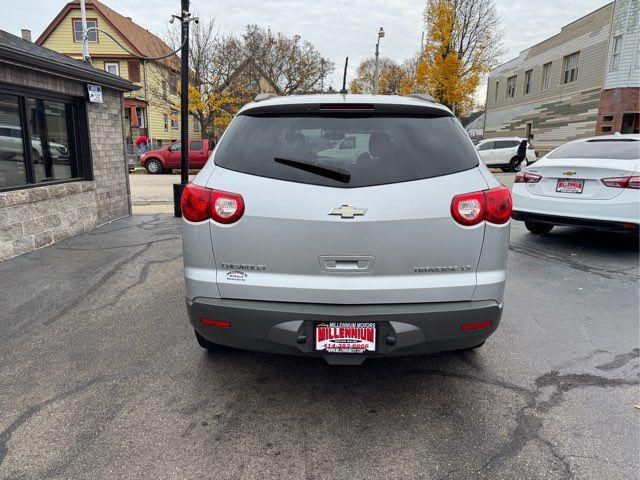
(379, 144)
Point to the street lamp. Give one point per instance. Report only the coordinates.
(375, 70)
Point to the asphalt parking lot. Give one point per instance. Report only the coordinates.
(100, 376)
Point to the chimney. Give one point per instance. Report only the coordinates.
(26, 34)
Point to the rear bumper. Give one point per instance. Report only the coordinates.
(613, 226)
(403, 329)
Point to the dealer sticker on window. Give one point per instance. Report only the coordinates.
(346, 337)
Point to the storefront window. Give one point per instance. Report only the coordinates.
(12, 165)
(38, 140)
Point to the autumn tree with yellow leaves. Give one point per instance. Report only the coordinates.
(463, 42)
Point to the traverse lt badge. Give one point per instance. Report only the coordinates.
(348, 211)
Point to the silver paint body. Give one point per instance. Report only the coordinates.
(313, 257)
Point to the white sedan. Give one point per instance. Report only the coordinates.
(592, 182)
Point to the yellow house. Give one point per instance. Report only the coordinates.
(150, 111)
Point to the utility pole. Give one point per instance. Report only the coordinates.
(344, 90)
(184, 110)
(375, 69)
(85, 39)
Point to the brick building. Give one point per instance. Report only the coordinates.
(62, 163)
(583, 81)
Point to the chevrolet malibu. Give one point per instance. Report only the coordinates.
(592, 182)
(397, 249)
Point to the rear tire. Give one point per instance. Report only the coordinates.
(515, 165)
(538, 228)
(204, 343)
(469, 349)
(153, 166)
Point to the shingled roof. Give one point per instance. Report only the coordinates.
(139, 40)
(16, 51)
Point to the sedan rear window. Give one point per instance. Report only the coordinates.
(364, 149)
(619, 149)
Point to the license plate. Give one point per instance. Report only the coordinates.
(334, 337)
(567, 185)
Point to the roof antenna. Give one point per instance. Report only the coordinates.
(344, 78)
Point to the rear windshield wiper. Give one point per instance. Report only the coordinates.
(337, 174)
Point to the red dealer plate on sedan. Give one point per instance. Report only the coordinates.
(345, 337)
(570, 186)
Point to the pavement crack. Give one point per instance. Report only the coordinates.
(26, 415)
(104, 278)
(620, 360)
(530, 418)
(142, 278)
(114, 247)
(569, 262)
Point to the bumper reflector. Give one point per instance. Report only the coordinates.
(214, 323)
(475, 326)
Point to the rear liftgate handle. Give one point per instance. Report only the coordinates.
(346, 264)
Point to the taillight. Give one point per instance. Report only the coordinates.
(493, 205)
(498, 201)
(526, 177)
(226, 207)
(468, 209)
(622, 182)
(195, 203)
(531, 147)
(200, 204)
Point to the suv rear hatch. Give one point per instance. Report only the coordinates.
(373, 227)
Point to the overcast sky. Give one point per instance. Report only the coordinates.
(338, 28)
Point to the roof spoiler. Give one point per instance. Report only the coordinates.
(423, 96)
(264, 96)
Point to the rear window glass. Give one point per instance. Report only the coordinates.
(622, 149)
(372, 149)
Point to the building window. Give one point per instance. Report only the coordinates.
(606, 128)
(527, 82)
(175, 125)
(571, 68)
(511, 86)
(112, 67)
(134, 71)
(142, 121)
(164, 89)
(196, 125)
(166, 123)
(39, 138)
(617, 50)
(92, 35)
(607, 118)
(495, 94)
(546, 76)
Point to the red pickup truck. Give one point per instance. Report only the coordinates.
(166, 159)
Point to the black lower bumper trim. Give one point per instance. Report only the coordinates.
(402, 329)
(608, 225)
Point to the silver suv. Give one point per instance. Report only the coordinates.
(394, 249)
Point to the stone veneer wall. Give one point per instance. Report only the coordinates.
(35, 217)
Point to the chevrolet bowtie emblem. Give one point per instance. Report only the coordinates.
(568, 173)
(348, 211)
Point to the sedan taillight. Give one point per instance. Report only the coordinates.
(493, 206)
(622, 182)
(200, 204)
(526, 177)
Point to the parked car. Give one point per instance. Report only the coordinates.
(591, 182)
(348, 148)
(166, 159)
(400, 250)
(11, 145)
(502, 153)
